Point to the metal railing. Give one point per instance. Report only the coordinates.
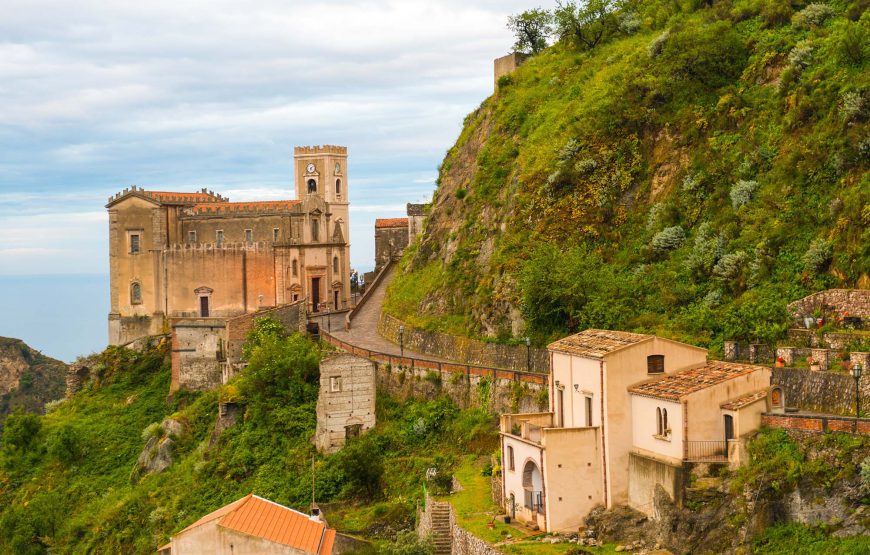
(534, 500)
(706, 451)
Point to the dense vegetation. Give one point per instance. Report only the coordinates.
(68, 482)
(690, 173)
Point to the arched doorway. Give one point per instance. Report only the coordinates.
(533, 486)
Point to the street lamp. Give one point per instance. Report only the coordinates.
(856, 373)
(528, 355)
(328, 319)
(401, 340)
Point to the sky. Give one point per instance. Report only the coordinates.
(98, 95)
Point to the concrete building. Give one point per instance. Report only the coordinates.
(253, 525)
(602, 426)
(346, 404)
(198, 255)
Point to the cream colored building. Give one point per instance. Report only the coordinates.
(559, 465)
(184, 255)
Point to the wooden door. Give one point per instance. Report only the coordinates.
(729, 429)
(203, 307)
(315, 294)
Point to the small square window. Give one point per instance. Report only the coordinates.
(335, 384)
(134, 243)
(249, 236)
(219, 236)
(275, 234)
(191, 237)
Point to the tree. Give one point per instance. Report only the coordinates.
(588, 24)
(20, 429)
(354, 281)
(531, 29)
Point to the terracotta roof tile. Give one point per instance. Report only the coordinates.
(594, 343)
(231, 207)
(391, 222)
(169, 197)
(265, 519)
(745, 400)
(676, 386)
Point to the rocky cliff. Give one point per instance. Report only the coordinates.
(28, 378)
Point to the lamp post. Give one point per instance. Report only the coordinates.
(402, 340)
(328, 319)
(528, 355)
(856, 373)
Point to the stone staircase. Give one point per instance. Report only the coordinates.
(441, 534)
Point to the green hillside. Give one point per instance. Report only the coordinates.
(688, 176)
(69, 481)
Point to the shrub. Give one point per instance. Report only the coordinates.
(730, 265)
(851, 106)
(152, 430)
(710, 56)
(362, 463)
(741, 192)
(775, 14)
(668, 239)
(657, 44)
(818, 255)
(20, 429)
(812, 16)
(461, 193)
(852, 45)
(800, 56)
(653, 217)
(65, 444)
(407, 543)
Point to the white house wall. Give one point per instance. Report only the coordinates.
(644, 427)
(585, 374)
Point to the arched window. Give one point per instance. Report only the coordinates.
(135, 293)
(315, 228)
(312, 186)
(295, 268)
(664, 422)
(335, 264)
(655, 364)
(659, 427)
(338, 186)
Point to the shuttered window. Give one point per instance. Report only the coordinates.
(655, 364)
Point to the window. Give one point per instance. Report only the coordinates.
(335, 384)
(219, 237)
(191, 237)
(312, 186)
(276, 234)
(662, 429)
(659, 428)
(295, 267)
(335, 264)
(665, 428)
(135, 293)
(315, 228)
(588, 411)
(338, 187)
(134, 243)
(510, 457)
(655, 364)
(249, 236)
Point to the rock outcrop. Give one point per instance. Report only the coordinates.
(157, 455)
(28, 378)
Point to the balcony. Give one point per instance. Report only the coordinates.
(526, 426)
(706, 451)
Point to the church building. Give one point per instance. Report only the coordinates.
(198, 255)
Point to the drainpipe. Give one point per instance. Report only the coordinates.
(603, 439)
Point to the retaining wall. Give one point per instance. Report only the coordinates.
(816, 423)
(451, 347)
(854, 301)
(824, 392)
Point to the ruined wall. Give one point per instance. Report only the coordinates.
(506, 64)
(470, 351)
(346, 398)
(197, 353)
(644, 474)
(389, 242)
(856, 302)
(825, 392)
(293, 316)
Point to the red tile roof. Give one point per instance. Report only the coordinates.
(594, 343)
(229, 207)
(391, 222)
(255, 516)
(745, 400)
(674, 387)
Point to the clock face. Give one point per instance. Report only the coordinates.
(337, 167)
(310, 168)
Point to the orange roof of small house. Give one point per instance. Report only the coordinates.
(258, 517)
(594, 343)
(745, 400)
(391, 222)
(675, 386)
(228, 207)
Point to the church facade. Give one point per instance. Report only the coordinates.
(198, 255)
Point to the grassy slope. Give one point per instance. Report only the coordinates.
(655, 143)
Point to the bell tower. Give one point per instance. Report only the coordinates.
(322, 171)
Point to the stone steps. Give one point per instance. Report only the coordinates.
(442, 538)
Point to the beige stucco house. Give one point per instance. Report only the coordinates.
(602, 424)
(253, 525)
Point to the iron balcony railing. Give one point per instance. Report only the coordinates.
(706, 451)
(534, 500)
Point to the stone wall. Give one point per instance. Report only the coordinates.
(824, 392)
(197, 353)
(470, 351)
(506, 64)
(464, 542)
(816, 423)
(856, 302)
(293, 316)
(347, 398)
(390, 242)
(829, 340)
(644, 474)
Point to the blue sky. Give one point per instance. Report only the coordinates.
(97, 95)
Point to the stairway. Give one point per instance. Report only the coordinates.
(442, 537)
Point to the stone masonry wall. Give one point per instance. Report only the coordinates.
(854, 301)
(292, 315)
(470, 351)
(814, 423)
(464, 542)
(825, 392)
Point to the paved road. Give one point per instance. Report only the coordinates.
(364, 332)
